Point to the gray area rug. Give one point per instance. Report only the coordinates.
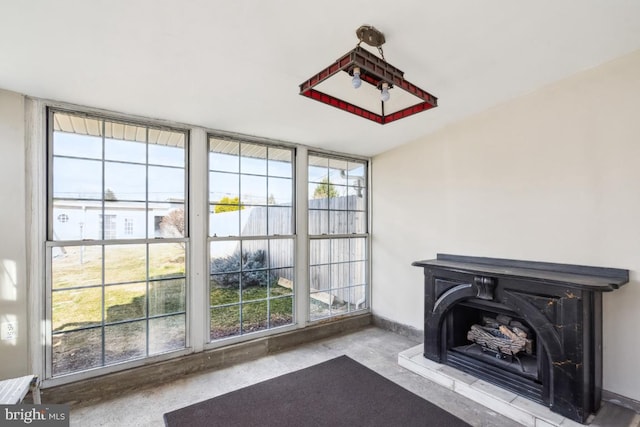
(338, 392)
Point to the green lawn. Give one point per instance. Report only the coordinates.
(75, 307)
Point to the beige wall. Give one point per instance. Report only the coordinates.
(552, 176)
(13, 288)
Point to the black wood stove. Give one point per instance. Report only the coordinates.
(556, 308)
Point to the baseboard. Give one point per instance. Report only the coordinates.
(116, 384)
(410, 332)
(617, 399)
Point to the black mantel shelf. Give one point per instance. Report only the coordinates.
(597, 279)
(560, 303)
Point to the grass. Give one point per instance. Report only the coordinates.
(256, 314)
(75, 307)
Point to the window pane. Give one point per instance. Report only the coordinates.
(167, 138)
(165, 155)
(225, 256)
(125, 341)
(72, 145)
(166, 260)
(125, 263)
(171, 219)
(319, 251)
(358, 273)
(357, 222)
(225, 322)
(125, 302)
(319, 195)
(357, 298)
(320, 277)
(318, 222)
(254, 317)
(77, 179)
(358, 249)
(166, 297)
(125, 181)
(225, 289)
(253, 159)
(254, 221)
(224, 188)
(339, 250)
(166, 334)
(76, 351)
(281, 253)
(280, 191)
(338, 222)
(223, 155)
(280, 220)
(282, 281)
(253, 190)
(339, 275)
(224, 223)
(166, 184)
(254, 254)
(318, 169)
(281, 311)
(125, 151)
(76, 308)
(280, 162)
(74, 266)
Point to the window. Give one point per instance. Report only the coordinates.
(338, 248)
(128, 227)
(251, 243)
(114, 297)
(117, 242)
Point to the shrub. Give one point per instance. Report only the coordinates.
(254, 271)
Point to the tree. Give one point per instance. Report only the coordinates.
(172, 224)
(325, 190)
(110, 195)
(227, 204)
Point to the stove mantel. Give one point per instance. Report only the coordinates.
(561, 302)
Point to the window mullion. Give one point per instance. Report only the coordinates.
(198, 230)
(302, 238)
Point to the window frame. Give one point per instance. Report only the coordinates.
(50, 243)
(242, 238)
(349, 236)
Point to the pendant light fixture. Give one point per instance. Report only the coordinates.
(365, 67)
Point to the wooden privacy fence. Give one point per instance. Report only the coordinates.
(330, 269)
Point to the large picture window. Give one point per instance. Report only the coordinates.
(116, 292)
(338, 248)
(251, 237)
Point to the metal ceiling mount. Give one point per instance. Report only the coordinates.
(371, 36)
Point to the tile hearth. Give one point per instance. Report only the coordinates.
(506, 403)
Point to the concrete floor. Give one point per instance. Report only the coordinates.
(373, 347)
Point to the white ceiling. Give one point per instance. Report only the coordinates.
(236, 65)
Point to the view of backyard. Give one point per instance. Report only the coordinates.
(128, 306)
(118, 234)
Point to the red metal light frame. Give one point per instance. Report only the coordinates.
(374, 71)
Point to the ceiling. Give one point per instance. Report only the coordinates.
(236, 65)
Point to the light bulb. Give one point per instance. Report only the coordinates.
(356, 81)
(384, 94)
